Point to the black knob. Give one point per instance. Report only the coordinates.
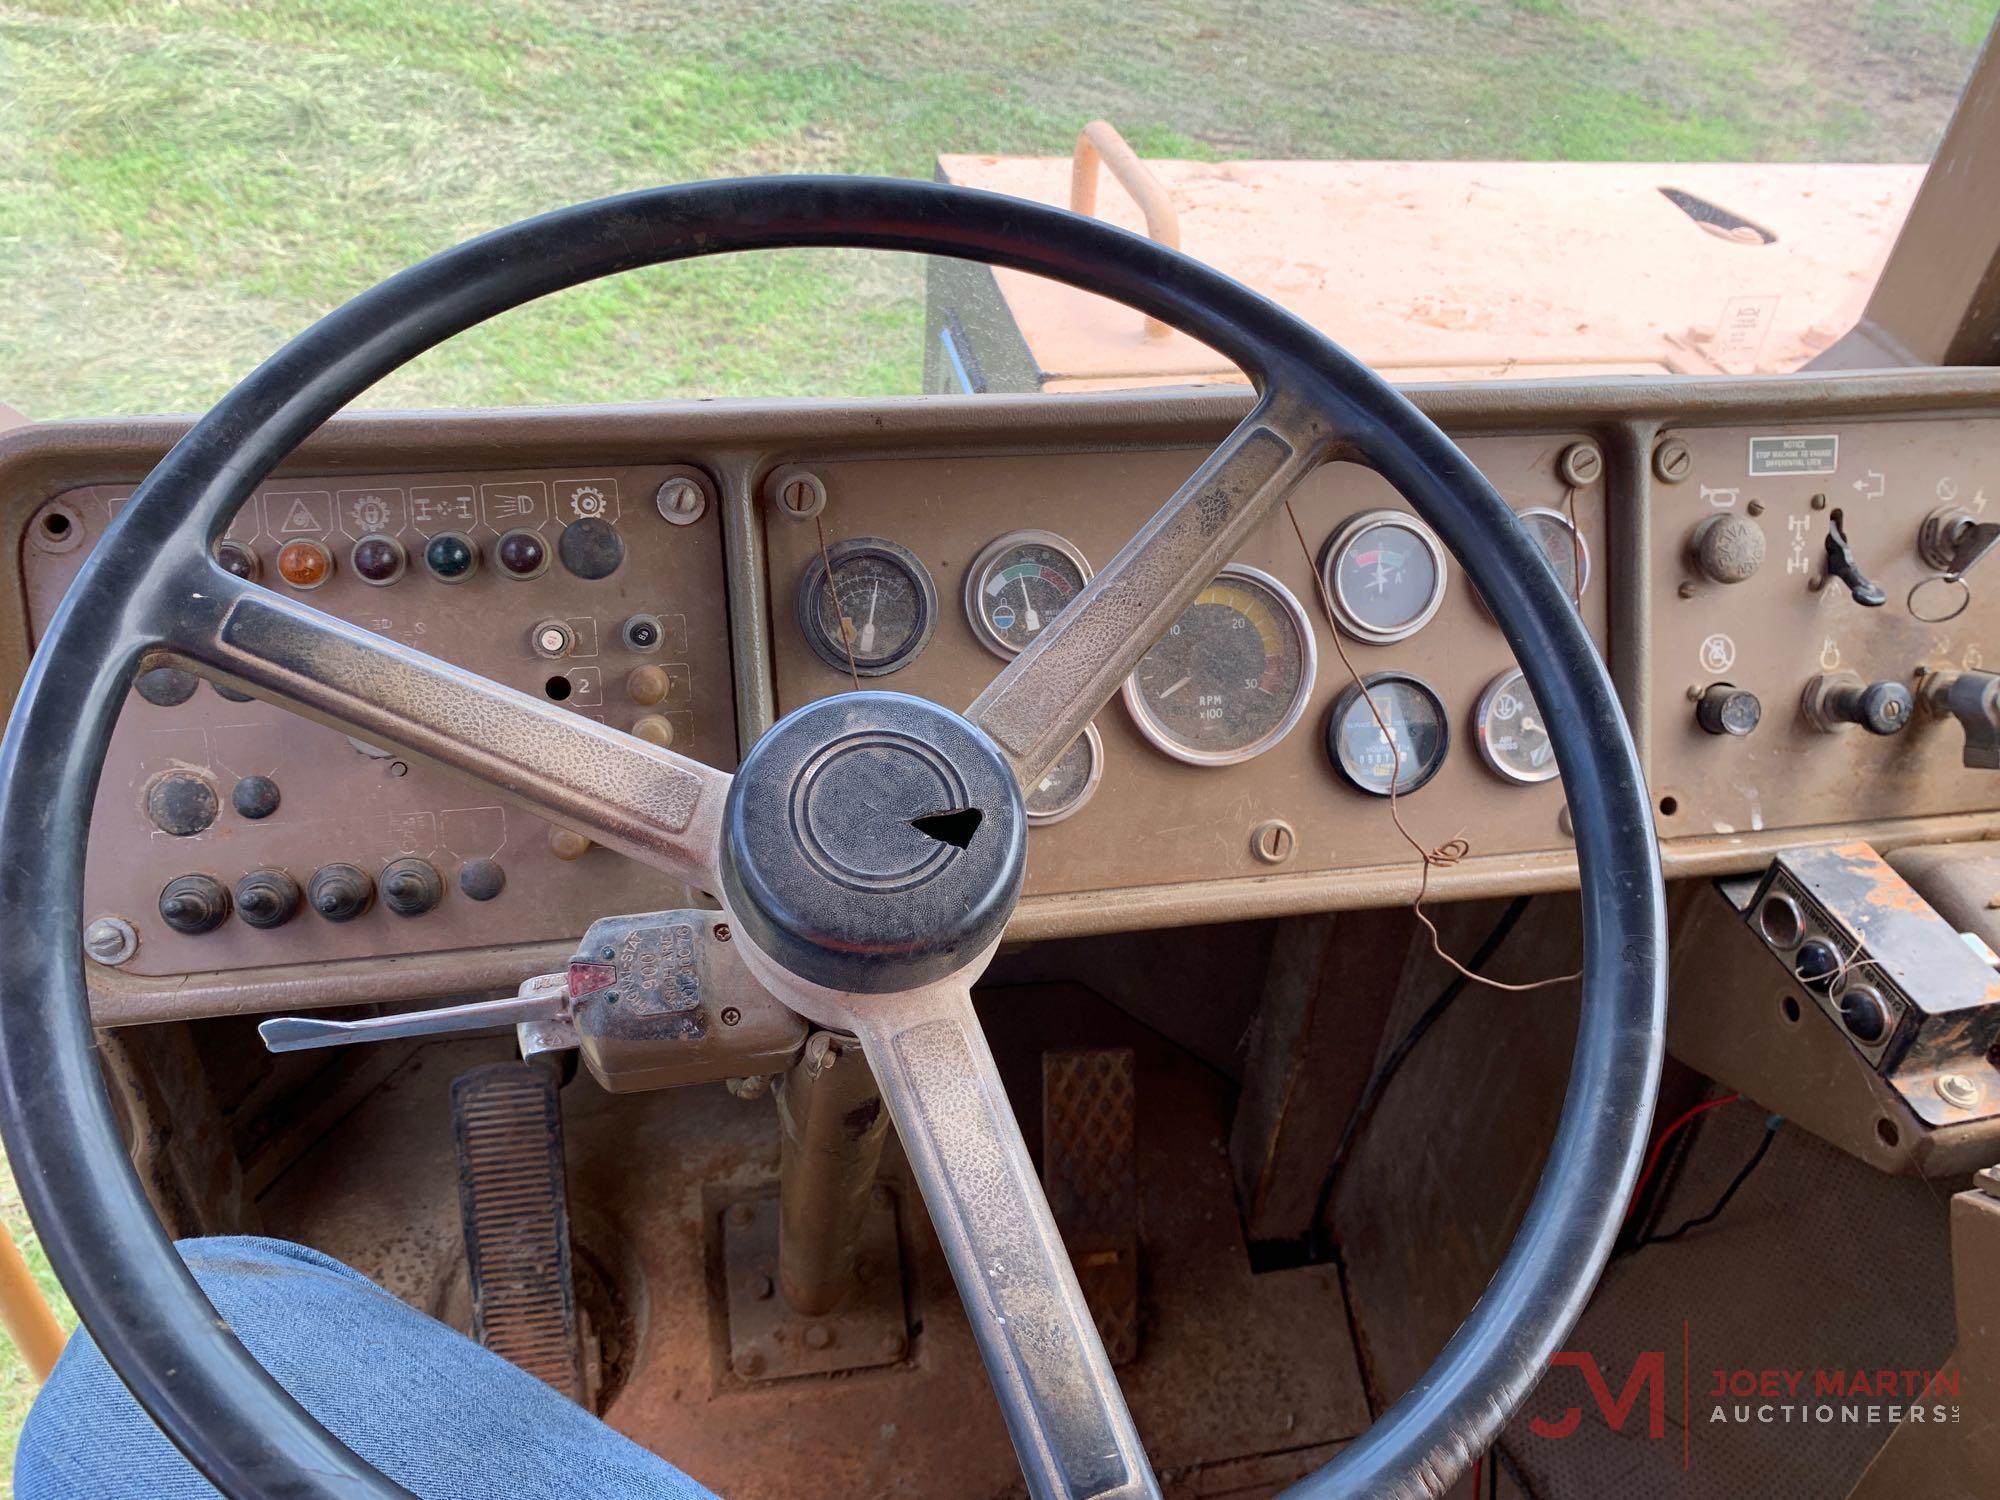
(1878, 707)
(1726, 709)
(181, 803)
(254, 797)
(482, 879)
(1864, 1014)
(267, 898)
(411, 887)
(194, 904)
(591, 548)
(166, 687)
(1816, 964)
(1840, 564)
(340, 893)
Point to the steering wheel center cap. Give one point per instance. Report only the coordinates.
(873, 842)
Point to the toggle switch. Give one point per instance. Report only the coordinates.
(1835, 699)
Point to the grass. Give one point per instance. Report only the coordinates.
(186, 183)
(17, 1385)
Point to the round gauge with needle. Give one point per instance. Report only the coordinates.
(1513, 737)
(1562, 547)
(1384, 572)
(1231, 677)
(877, 611)
(1069, 783)
(1019, 583)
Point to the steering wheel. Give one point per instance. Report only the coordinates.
(871, 921)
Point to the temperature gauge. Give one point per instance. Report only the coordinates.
(1401, 741)
(1018, 584)
(1512, 734)
(1385, 573)
(878, 612)
(1562, 547)
(1069, 783)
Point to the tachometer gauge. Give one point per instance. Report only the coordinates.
(1512, 734)
(1019, 583)
(1402, 740)
(1385, 573)
(1231, 677)
(1069, 783)
(881, 608)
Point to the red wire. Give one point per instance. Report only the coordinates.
(1660, 1145)
(1477, 1464)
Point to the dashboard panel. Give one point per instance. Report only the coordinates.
(1155, 819)
(187, 784)
(1789, 625)
(926, 489)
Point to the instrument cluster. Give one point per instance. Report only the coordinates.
(1293, 675)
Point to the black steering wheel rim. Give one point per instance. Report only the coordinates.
(158, 1331)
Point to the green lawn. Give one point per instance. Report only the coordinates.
(17, 1386)
(185, 183)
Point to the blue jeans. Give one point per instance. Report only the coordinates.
(428, 1407)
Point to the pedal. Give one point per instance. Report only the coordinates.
(1090, 1170)
(508, 1126)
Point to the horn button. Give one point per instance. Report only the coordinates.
(873, 842)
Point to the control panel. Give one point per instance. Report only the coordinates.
(1264, 732)
(1819, 594)
(231, 834)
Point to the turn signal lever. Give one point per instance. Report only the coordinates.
(1972, 698)
(649, 1001)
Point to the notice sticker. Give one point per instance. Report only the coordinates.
(1793, 455)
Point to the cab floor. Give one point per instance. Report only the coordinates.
(1244, 1381)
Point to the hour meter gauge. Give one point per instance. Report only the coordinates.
(1393, 736)
(1019, 583)
(1513, 736)
(1384, 573)
(1232, 675)
(877, 612)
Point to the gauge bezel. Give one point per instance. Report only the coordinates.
(1582, 545)
(812, 585)
(982, 567)
(1350, 696)
(1153, 730)
(1344, 614)
(1096, 742)
(1491, 756)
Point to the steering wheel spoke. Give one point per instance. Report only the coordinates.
(661, 808)
(1043, 1355)
(1047, 694)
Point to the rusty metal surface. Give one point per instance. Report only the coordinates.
(1090, 1170)
(508, 1128)
(1640, 285)
(834, 1127)
(1243, 1377)
(770, 1338)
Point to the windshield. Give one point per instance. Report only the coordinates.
(1452, 188)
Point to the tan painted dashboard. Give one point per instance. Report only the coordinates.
(1159, 840)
